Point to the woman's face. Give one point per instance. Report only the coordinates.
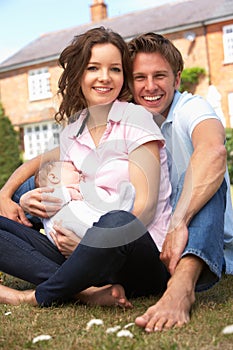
(103, 78)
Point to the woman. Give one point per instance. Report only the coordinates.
(111, 141)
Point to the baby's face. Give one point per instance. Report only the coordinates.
(68, 173)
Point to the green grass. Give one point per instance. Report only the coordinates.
(212, 311)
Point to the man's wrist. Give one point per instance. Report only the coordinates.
(178, 219)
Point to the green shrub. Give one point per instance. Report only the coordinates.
(229, 147)
(9, 148)
(190, 78)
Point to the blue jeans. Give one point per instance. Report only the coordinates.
(205, 241)
(26, 253)
(206, 236)
(29, 255)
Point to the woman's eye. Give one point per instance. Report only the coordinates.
(92, 68)
(116, 69)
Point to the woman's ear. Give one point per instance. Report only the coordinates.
(53, 178)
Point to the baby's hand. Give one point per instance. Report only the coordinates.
(65, 240)
(74, 191)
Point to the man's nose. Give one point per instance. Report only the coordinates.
(150, 84)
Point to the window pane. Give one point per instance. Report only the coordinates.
(228, 43)
(39, 84)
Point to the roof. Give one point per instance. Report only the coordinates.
(171, 17)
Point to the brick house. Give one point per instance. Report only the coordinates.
(202, 32)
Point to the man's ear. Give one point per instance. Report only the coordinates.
(53, 178)
(177, 80)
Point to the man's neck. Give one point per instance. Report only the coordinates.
(159, 119)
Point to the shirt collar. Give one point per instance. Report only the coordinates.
(116, 111)
(114, 116)
(173, 105)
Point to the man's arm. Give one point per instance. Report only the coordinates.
(204, 176)
(10, 209)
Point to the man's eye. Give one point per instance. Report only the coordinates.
(139, 77)
(159, 76)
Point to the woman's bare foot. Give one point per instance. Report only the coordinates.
(110, 295)
(16, 297)
(173, 308)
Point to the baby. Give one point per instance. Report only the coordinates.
(81, 205)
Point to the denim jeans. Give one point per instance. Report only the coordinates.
(205, 241)
(26, 253)
(206, 236)
(29, 255)
(228, 231)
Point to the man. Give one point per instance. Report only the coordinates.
(193, 248)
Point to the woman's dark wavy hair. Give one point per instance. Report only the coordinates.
(151, 43)
(74, 60)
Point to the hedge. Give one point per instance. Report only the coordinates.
(9, 148)
(229, 147)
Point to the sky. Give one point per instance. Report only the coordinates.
(23, 21)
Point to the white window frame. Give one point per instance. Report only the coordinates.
(228, 43)
(230, 107)
(37, 140)
(39, 84)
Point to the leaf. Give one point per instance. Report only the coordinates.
(124, 333)
(94, 321)
(41, 338)
(228, 329)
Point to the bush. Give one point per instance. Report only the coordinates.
(229, 147)
(190, 78)
(9, 148)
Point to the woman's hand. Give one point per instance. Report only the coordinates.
(39, 202)
(65, 240)
(13, 211)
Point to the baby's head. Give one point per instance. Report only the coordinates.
(57, 173)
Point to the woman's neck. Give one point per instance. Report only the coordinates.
(98, 115)
(97, 121)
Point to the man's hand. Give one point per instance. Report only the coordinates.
(39, 202)
(65, 240)
(174, 245)
(13, 211)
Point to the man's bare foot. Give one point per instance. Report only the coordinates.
(16, 297)
(173, 308)
(110, 295)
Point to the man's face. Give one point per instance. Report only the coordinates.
(154, 82)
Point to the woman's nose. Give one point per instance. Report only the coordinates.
(104, 75)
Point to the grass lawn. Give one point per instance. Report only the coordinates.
(66, 324)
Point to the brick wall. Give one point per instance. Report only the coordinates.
(205, 51)
(221, 74)
(15, 97)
